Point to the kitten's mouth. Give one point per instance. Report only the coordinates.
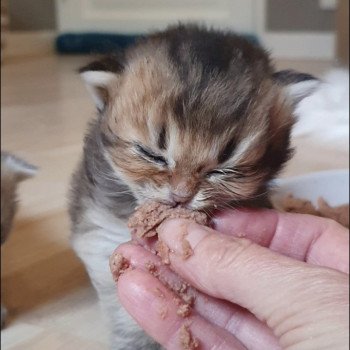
(211, 210)
(174, 204)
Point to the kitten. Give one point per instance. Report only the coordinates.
(188, 115)
(13, 171)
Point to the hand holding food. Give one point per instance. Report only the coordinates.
(256, 281)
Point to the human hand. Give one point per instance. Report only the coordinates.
(284, 285)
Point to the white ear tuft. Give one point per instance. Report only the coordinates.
(297, 85)
(16, 166)
(98, 83)
(300, 90)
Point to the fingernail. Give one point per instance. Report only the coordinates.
(170, 232)
(174, 232)
(221, 217)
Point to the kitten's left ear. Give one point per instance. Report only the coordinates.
(99, 77)
(298, 85)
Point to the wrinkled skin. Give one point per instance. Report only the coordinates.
(264, 280)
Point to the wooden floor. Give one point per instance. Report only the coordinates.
(51, 304)
(44, 112)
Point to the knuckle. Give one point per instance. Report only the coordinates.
(228, 253)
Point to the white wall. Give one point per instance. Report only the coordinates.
(135, 16)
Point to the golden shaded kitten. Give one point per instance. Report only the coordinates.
(13, 171)
(188, 115)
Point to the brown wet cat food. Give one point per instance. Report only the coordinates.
(163, 252)
(302, 206)
(187, 250)
(144, 223)
(118, 265)
(184, 310)
(187, 341)
(339, 213)
(146, 219)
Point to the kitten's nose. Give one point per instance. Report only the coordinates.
(180, 199)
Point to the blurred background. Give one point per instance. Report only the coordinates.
(45, 109)
(299, 29)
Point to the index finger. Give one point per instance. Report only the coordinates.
(307, 238)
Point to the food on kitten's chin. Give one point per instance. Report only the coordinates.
(118, 265)
(146, 218)
(187, 341)
(302, 206)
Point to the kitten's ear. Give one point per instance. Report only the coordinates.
(99, 77)
(20, 169)
(298, 85)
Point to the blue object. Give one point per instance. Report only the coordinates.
(102, 43)
(87, 43)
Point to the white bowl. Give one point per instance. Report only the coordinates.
(332, 185)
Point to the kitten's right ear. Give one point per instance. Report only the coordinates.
(99, 77)
(18, 168)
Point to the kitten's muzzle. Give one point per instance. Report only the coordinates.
(180, 199)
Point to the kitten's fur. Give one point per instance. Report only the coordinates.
(186, 115)
(13, 171)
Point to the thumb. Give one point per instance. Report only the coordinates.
(272, 286)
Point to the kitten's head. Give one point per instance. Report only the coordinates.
(193, 116)
(13, 171)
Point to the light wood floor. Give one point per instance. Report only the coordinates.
(44, 112)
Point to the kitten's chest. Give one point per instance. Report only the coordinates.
(108, 221)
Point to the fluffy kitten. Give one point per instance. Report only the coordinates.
(13, 171)
(188, 115)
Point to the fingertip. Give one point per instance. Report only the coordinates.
(257, 225)
(150, 303)
(131, 286)
(222, 221)
(126, 248)
(143, 296)
(171, 232)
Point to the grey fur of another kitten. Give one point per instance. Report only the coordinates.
(189, 115)
(13, 171)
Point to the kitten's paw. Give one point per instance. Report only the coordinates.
(3, 316)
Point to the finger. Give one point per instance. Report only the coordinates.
(242, 272)
(308, 238)
(151, 304)
(253, 333)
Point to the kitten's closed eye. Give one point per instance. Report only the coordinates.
(215, 173)
(151, 156)
(225, 172)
